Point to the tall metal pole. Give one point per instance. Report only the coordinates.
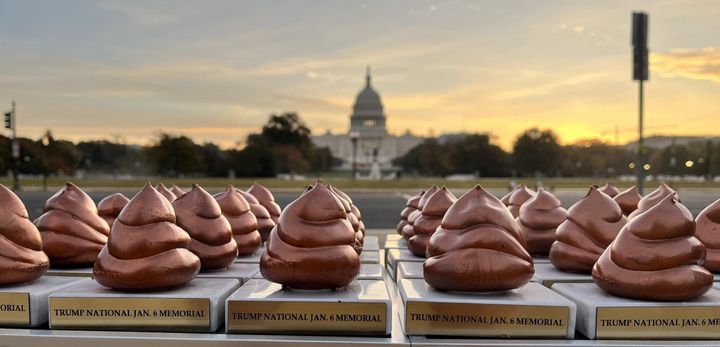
(15, 149)
(641, 141)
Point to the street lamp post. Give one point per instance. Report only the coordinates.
(354, 136)
(640, 74)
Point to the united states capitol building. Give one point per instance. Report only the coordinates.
(374, 147)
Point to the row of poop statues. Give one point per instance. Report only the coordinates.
(647, 248)
(162, 238)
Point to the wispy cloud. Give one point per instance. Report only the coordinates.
(694, 63)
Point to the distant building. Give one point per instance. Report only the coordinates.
(662, 141)
(368, 126)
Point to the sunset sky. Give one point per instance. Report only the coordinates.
(214, 70)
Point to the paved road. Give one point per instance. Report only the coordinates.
(382, 209)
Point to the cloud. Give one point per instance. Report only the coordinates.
(694, 63)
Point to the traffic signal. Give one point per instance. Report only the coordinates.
(639, 42)
(8, 120)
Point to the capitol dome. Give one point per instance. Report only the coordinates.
(368, 117)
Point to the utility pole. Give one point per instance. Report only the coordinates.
(640, 74)
(11, 123)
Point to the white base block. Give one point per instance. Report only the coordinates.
(530, 311)
(547, 274)
(393, 237)
(541, 260)
(604, 316)
(396, 244)
(371, 243)
(26, 305)
(253, 258)
(363, 308)
(198, 306)
(370, 257)
(71, 272)
(395, 256)
(367, 272)
(240, 271)
(410, 270)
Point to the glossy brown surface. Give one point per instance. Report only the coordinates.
(652, 199)
(655, 257)
(538, 219)
(242, 222)
(411, 205)
(518, 197)
(432, 214)
(609, 189)
(591, 225)
(177, 191)
(408, 230)
(72, 231)
(708, 232)
(263, 217)
(266, 198)
(109, 207)
(167, 193)
(478, 247)
(312, 245)
(199, 214)
(352, 217)
(146, 250)
(21, 256)
(628, 200)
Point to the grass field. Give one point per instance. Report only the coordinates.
(402, 184)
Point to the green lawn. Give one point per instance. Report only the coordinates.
(402, 184)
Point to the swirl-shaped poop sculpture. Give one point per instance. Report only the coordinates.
(538, 219)
(242, 222)
(408, 230)
(265, 197)
(411, 205)
(72, 231)
(628, 200)
(591, 225)
(652, 199)
(656, 257)
(609, 189)
(430, 218)
(177, 191)
(199, 214)
(312, 245)
(146, 250)
(708, 232)
(262, 215)
(351, 216)
(518, 197)
(478, 247)
(167, 193)
(21, 256)
(109, 207)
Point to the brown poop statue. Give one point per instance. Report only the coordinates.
(592, 224)
(265, 197)
(110, 207)
(478, 247)
(167, 193)
(708, 232)
(199, 214)
(72, 231)
(146, 250)
(408, 230)
(652, 199)
(21, 256)
(432, 214)
(352, 217)
(242, 222)
(655, 257)
(628, 200)
(411, 205)
(539, 217)
(262, 215)
(312, 245)
(609, 189)
(177, 191)
(517, 198)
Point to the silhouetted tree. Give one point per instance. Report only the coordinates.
(537, 151)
